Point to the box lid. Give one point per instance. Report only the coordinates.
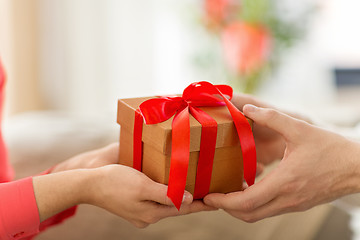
(159, 135)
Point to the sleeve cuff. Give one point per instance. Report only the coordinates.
(19, 214)
(60, 217)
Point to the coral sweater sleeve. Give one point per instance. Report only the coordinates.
(19, 216)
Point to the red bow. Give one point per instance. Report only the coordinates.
(201, 94)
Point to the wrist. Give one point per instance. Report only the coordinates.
(353, 154)
(57, 192)
(90, 186)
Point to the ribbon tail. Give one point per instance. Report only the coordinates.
(180, 151)
(137, 141)
(207, 152)
(247, 141)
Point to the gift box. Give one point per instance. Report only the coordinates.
(221, 170)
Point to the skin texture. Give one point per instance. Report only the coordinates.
(92, 159)
(317, 166)
(270, 145)
(93, 178)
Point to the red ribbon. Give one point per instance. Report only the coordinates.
(200, 94)
(137, 149)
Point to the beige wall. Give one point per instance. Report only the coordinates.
(19, 51)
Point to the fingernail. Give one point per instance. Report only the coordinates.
(251, 108)
(187, 197)
(184, 197)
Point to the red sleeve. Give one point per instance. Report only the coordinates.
(57, 219)
(54, 220)
(19, 215)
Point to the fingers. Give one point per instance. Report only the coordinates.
(259, 201)
(157, 192)
(140, 224)
(154, 212)
(162, 211)
(112, 146)
(253, 197)
(273, 119)
(111, 153)
(196, 206)
(259, 168)
(272, 208)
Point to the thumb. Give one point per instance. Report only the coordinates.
(273, 119)
(158, 193)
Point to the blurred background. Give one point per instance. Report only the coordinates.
(68, 61)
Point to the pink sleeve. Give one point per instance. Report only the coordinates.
(19, 215)
(56, 219)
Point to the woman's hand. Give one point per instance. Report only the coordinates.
(132, 195)
(92, 159)
(317, 166)
(118, 189)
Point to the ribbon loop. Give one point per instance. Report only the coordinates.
(158, 110)
(204, 94)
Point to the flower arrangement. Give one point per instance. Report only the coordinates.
(246, 38)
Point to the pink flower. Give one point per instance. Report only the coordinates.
(246, 46)
(219, 11)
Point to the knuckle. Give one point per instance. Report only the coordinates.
(247, 206)
(292, 186)
(270, 114)
(292, 205)
(296, 204)
(150, 219)
(114, 145)
(139, 189)
(186, 210)
(140, 225)
(141, 184)
(299, 205)
(299, 128)
(166, 200)
(303, 207)
(288, 188)
(249, 218)
(246, 217)
(299, 208)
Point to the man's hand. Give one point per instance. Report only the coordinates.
(317, 167)
(270, 145)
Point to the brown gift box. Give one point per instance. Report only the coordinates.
(227, 174)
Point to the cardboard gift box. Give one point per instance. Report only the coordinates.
(227, 172)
